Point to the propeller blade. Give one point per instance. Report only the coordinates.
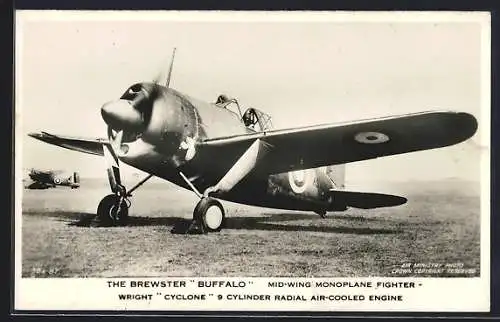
(116, 142)
(155, 91)
(167, 83)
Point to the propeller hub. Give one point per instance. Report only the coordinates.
(121, 115)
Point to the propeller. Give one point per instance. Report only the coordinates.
(167, 83)
(128, 117)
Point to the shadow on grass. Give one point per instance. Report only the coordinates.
(267, 222)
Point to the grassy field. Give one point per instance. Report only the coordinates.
(439, 224)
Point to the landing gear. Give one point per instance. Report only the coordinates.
(113, 211)
(210, 214)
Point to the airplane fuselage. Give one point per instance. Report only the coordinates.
(176, 118)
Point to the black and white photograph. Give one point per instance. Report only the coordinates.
(343, 151)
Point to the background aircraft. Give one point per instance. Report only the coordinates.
(44, 179)
(217, 151)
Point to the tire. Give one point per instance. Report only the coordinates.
(106, 206)
(210, 214)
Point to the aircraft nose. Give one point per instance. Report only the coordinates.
(121, 115)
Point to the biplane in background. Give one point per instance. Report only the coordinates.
(218, 152)
(45, 179)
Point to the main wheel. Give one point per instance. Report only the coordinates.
(108, 213)
(210, 213)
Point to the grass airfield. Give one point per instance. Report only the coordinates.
(439, 224)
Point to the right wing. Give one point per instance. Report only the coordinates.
(90, 146)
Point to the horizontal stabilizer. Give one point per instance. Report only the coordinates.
(366, 200)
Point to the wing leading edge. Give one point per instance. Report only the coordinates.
(330, 144)
(85, 145)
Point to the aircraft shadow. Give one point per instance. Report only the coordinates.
(271, 223)
(88, 220)
(288, 216)
(268, 222)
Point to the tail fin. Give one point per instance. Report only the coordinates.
(336, 174)
(76, 177)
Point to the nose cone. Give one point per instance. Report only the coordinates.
(121, 115)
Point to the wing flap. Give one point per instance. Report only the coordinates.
(85, 145)
(366, 200)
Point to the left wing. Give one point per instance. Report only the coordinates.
(90, 146)
(330, 144)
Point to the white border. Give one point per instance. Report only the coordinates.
(256, 16)
(457, 294)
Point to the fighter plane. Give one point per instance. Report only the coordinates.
(44, 179)
(220, 153)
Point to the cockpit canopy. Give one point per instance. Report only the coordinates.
(252, 118)
(228, 103)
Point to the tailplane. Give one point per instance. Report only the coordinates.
(366, 200)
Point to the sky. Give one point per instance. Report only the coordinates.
(303, 69)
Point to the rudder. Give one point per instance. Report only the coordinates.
(76, 177)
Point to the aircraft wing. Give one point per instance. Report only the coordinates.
(40, 175)
(90, 146)
(330, 144)
(41, 172)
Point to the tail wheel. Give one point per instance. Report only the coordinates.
(109, 213)
(321, 213)
(210, 213)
